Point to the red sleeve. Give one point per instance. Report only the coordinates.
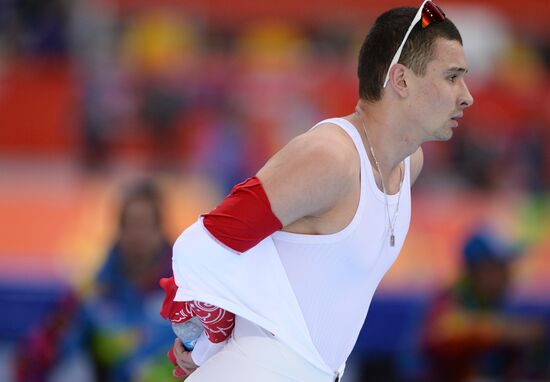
(244, 218)
(218, 323)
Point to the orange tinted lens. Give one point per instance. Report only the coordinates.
(431, 13)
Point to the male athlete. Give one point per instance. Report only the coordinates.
(296, 252)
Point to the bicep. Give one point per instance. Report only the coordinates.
(305, 178)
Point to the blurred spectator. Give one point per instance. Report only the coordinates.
(92, 28)
(118, 324)
(222, 148)
(470, 333)
(162, 53)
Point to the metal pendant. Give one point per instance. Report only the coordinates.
(392, 240)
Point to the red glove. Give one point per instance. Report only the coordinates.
(218, 323)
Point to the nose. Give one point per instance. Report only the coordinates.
(466, 99)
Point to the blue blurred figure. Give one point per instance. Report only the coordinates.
(471, 331)
(119, 324)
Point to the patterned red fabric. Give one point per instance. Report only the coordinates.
(244, 218)
(218, 323)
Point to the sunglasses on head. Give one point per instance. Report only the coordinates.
(429, 13)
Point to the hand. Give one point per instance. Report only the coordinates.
(181, 358)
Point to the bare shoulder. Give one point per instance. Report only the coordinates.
(417, 162)
(310, 174)
(334, 141)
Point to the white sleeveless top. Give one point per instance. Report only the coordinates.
(311, 291)
(334, 276)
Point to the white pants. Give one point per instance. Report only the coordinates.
(253, 355)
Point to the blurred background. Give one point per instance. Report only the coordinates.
(122, 120)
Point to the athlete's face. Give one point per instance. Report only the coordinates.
(440, 97)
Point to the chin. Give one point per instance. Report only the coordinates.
(444, 134)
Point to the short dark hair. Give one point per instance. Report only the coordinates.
(383, 40)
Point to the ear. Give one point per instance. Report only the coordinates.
(398, 79)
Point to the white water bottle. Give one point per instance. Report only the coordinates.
(188, 332)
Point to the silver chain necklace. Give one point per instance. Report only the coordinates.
(401, 175)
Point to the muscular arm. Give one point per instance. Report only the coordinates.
(310, 174)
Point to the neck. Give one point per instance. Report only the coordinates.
(391, 139)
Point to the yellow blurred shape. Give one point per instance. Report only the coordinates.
(156, 41)
(272, 45)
